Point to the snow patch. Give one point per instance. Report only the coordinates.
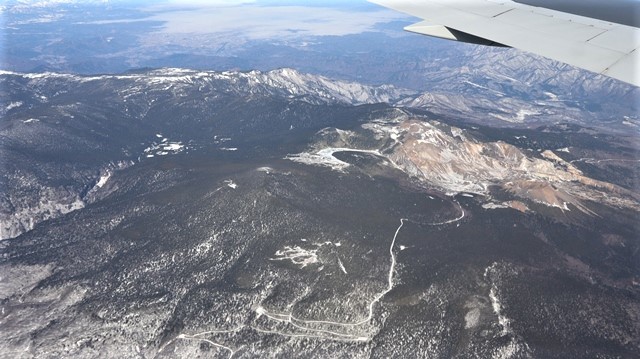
(265, 169)
(173, 147)
(217, 140)
(319, 159)
(13, 105)
(164, 147)
(325, 157)
(492, 205)
(457, 132)
(523, 114)
(103, 180)
(297, 255)
(472, 318)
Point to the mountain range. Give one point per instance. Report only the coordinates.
(176, 212)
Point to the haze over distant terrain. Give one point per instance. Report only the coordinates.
(277, 179)
(350, 40)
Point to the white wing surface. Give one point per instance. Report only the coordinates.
(603, 47)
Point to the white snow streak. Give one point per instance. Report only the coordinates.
(103, 180)
(344, 270)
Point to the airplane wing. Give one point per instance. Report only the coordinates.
(604, 39)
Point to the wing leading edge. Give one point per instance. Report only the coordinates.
(599, 46)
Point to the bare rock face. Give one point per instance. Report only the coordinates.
(453, 160)
(32, 198)
(49, 203)
(459, 163)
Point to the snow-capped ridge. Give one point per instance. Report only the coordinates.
(284, 82)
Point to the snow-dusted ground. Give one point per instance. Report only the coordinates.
(356, 331)
(516, 346)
